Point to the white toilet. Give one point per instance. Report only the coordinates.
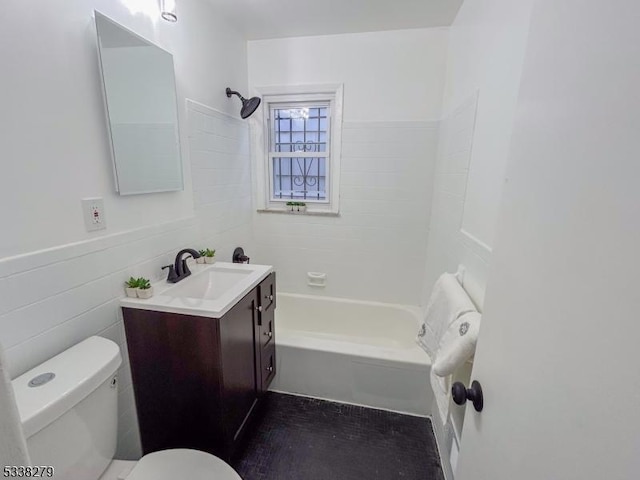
(68, 407)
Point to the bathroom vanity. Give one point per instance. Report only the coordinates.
(202, 355)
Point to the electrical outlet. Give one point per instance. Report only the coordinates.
(93, 210)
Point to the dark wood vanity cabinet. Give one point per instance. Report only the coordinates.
(198, 381)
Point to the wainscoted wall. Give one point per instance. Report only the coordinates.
(376, 248)
(53, 299)
(221, 172)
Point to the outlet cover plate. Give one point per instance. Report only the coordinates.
(93, 213)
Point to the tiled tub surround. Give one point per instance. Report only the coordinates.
(354, 352)
(449, 245)
(221, 172)
(376, 248)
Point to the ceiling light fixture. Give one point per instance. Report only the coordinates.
(168, 10)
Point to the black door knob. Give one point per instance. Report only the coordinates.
(461, 394)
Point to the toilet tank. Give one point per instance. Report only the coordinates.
(68, 407)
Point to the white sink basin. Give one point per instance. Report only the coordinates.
(210, 291)
(211, 284)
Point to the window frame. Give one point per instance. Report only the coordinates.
(281, 96)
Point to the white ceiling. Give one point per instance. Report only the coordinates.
(262, 19)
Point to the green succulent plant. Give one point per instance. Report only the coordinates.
(132, 282)
(144, 283)
(208, 253)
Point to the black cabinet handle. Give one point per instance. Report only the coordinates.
(461, 394)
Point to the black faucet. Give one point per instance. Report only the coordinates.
(180, 270)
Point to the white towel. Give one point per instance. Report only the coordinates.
(448, 302)
(13, 446)
(458, 344)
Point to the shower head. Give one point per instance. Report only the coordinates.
(249, 105)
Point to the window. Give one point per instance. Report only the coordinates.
(300, 158)
(298, 151)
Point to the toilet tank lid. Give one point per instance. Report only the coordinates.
(78, 372)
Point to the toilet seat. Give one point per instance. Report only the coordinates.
(180, 464)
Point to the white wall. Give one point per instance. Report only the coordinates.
(375, 249)
(558, 351)
(486, 50)
(54, 145)
(385, 78)
(486, 53)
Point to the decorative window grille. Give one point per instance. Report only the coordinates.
(298, 148)
(299, 151)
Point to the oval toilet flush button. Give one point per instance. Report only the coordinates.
(41, 379)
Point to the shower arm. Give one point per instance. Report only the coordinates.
(233, 92)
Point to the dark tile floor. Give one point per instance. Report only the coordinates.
(307, 439)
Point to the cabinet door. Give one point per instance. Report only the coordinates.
(268, 370)
(266, 331)
(267, 292)
(238, 364)
(266, 320)
(176, 369)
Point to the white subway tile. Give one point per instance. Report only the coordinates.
(19, 325)
(35, 350)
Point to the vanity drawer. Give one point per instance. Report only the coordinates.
(267, 291)
(267, 328)
(268, 365)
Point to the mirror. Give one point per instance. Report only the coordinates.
(140, 99)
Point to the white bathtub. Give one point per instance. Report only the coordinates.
(350, 351)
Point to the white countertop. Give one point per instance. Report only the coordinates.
(171, 297)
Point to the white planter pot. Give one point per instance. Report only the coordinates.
(131, 292)
(209, 260)
(145, 293)
(297, 209)
(200, 260)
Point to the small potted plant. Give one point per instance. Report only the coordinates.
(209, 256)
(131, 287)
(297, 207)
(144, 290)
(200, 259)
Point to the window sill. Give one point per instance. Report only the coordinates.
(285, 211)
